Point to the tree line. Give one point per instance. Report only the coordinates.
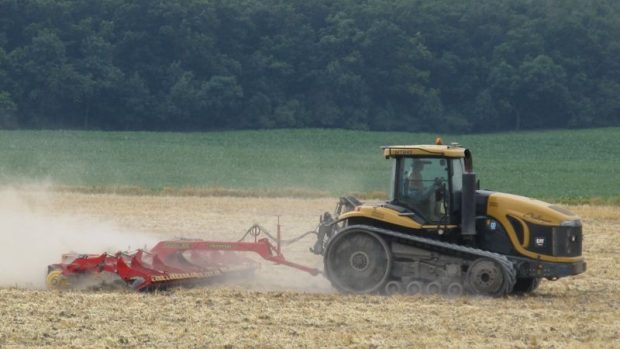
(411, 65)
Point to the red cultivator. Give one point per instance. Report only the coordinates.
(170, 263)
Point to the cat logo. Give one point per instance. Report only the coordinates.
(540, 241)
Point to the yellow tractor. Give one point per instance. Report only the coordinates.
(439, 233)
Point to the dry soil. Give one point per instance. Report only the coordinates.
(280, 307)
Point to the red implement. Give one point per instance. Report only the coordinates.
(169, 263)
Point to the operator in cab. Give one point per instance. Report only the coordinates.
(420, 191)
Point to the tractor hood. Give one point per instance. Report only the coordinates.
(501, 205)
(536, 229)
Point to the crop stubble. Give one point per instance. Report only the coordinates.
(284, 308)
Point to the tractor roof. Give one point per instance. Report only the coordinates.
(451, 151)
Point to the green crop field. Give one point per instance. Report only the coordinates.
(568, 166)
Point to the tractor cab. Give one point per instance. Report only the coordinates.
(428, 180)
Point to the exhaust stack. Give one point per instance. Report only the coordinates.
(468, 205)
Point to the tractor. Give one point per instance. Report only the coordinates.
(439, 233)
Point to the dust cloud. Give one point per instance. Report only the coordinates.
(281, 278)
(32, 237)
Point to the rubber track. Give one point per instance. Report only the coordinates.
(451, 250)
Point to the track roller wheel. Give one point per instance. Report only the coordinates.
(455, 289)
(358, 261)
(433, 288)
(415, 287)
(57, 281)
(487, 277)
(393, 287)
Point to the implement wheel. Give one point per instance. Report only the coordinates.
(57, 281)
(358, 261)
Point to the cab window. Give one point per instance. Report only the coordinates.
(423, 186)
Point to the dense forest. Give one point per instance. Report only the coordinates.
(416, 65)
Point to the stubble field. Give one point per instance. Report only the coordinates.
(280, 307)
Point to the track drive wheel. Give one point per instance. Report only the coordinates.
(57, 281)
(358, 261)
(487, 277)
